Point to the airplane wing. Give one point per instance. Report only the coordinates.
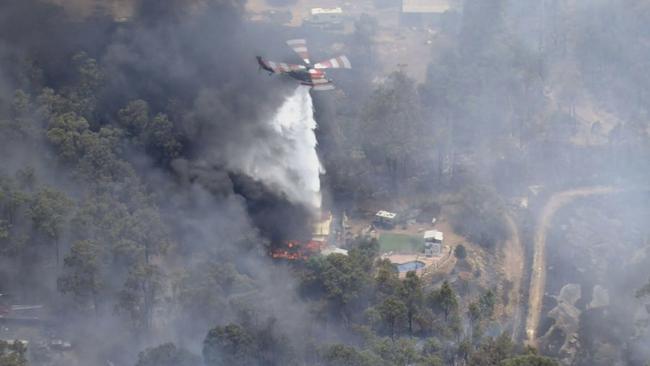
(340, 62)
(300, 47)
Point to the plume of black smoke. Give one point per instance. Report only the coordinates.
(193, 60)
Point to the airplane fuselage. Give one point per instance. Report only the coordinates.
(302, 76)
(307, 74)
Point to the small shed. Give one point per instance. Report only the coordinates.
(417, 12)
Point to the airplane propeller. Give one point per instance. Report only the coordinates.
(300, 47)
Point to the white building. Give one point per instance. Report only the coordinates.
(385, 218)
(433, 243)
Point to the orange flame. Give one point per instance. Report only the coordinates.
(295, 250)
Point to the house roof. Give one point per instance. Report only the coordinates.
(337, 10)
(433, 234)
(386, 214)
(425, 6)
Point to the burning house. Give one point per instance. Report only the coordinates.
(305, 249)
(297, 250)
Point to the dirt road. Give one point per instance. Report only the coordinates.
(538, 275)
(513, 265)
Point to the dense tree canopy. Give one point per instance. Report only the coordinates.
(167, 355)
(529, 360)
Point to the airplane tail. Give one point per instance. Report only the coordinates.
(262, 65)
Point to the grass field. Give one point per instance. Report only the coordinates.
(400, 243)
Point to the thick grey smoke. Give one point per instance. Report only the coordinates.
(193, 60)
(247, 175)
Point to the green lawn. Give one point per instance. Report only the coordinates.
(400, 243)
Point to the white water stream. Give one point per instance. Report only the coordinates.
(291, 166)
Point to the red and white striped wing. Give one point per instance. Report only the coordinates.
(300, 47)
(340, 62)
(282, 67)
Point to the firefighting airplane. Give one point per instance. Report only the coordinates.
(307, 74)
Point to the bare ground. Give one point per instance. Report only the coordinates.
(538, 275)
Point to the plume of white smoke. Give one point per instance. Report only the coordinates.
(290, 165)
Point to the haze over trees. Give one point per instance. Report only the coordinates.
(121, 211)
